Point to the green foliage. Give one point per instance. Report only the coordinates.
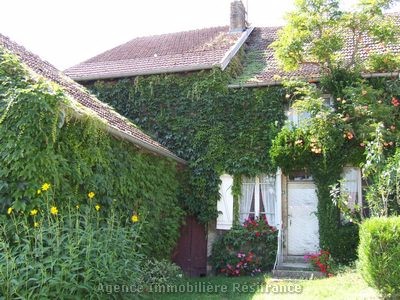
(384, 193)
(67, 255)
(387, 62)
(43, 140)
(214, 128)
(318, 30)
(159, 272)
(346, 134)
(246, 249)
(379, 254)
(315, 21)
(76, 253)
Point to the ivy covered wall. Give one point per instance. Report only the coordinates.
(42, 141)
(241, 132)
(214, 128)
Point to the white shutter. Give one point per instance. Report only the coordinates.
(225, 203)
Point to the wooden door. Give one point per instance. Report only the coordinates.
(191, 251)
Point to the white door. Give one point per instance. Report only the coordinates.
(303, 235)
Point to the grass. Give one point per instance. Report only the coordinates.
(349, 285)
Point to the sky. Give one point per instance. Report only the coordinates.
(67, 32)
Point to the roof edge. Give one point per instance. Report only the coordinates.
(235, 48)
(80, 111)
(146, 72)
(312, 79)
(115, 132)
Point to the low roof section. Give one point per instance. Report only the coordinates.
(117, 125)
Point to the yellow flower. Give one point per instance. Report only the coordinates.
(35, 224)
(135, 218)
(77, 206)
(91, 195)
(54, 210)
(39, 191)
(9, 210)
(46, 186)
(34, 212)
(97, 207)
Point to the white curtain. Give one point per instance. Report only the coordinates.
(268, 196)
(350, 185)
(248, 186)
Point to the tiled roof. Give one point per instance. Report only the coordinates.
(261, 66)
(167, 53)
(117, 124)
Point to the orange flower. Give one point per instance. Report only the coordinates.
(349, 135)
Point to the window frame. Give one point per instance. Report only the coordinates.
(257, 201)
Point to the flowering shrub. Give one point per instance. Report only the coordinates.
(248, 249)
(321, 260)
(246, 263)
(74, 251)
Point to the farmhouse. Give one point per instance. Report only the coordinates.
(215, 97)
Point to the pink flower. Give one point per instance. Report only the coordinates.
(395, 101)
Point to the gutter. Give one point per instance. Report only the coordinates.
(79, 111)
(147, 72)
(163, 152)
(254, 84)
(311, 79)
(377, 75)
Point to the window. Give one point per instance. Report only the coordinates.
(352, 185)
(258, 199)
(295, 118)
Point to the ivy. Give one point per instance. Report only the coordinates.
(216, 129)
(334, 137)
(43, 141)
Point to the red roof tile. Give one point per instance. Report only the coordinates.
(116, 123)
(174, 52)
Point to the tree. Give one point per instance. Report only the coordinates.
(318, 31)
(365, 113)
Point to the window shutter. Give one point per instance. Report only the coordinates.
(225, 203)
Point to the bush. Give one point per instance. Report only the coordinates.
(379, 254)
(159, 272)
(246, 250)
(74, 252)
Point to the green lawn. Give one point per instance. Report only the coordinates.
(346, 286)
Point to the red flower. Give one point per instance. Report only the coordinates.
(395, 101)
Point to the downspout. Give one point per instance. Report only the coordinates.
(278, 214)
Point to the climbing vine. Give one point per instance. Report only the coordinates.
(44, 142)
(216, 129)
(336, 136)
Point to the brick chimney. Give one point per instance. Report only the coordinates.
(238, 17)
